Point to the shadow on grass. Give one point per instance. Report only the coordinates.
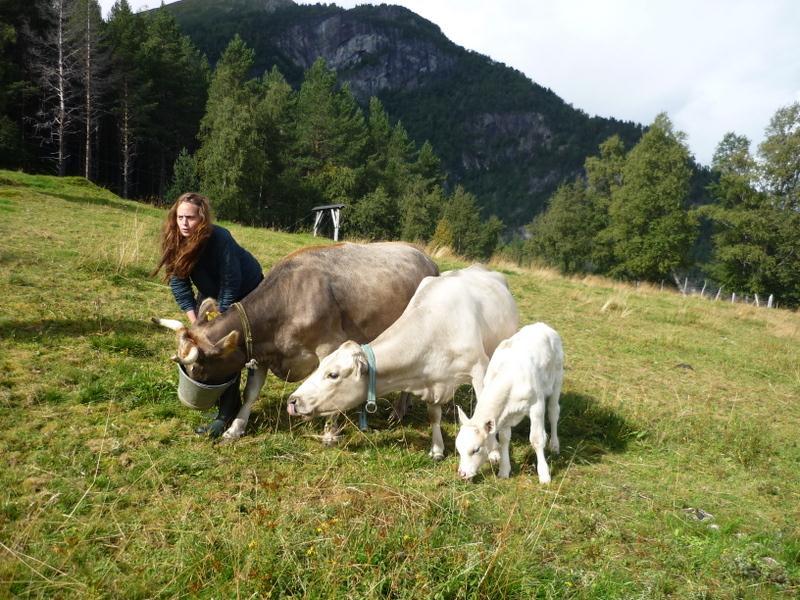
(27, 331)
(413, 432)
(586, 432)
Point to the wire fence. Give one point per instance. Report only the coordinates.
(707, 290)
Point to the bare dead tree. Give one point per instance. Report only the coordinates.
(54, 60)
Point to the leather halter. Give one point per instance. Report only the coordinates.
(248, 336)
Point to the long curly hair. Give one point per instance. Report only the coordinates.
(179, 254)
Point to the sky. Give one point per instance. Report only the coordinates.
(713, 66)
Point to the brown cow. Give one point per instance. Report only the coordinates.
(308, 304)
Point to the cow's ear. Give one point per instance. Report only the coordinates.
(463, 419)
(208, 311)
(490, 426)
(360, 365)
(228, 344)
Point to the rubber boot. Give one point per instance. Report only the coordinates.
(228, 405)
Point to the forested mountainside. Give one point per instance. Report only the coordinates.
(507, 139)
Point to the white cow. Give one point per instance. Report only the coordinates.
(525, 371)
(444, 338)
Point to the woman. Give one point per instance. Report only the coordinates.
(195, 252)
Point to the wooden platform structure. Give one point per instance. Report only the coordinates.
(319, 213)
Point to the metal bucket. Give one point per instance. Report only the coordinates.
(198, 395)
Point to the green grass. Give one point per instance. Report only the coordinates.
(669, 404)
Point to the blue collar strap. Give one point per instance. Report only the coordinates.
(372, 404)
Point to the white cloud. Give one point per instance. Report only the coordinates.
(713, 66)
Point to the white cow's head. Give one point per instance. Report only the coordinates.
(338, 385)
(474, 442)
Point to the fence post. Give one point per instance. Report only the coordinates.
(704, 288)
(733, 298)
(757, 304)
(719, 291)
(769, 301)
(685, 283)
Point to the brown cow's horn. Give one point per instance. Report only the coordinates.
(191, 358)
(172, 324)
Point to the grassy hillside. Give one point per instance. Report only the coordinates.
(673, 409)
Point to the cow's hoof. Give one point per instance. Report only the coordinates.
(494, 457)
(436, 456)
(330, 440)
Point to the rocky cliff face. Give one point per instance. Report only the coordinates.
(374, 56)
(502, 136)
(512, 134)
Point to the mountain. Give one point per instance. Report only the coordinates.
(503, 137)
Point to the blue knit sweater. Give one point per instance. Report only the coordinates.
(224, 270)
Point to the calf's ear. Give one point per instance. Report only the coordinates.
(490, 426)
(463, 419)
(228, 344)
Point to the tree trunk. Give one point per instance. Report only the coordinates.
(88, 92)
(61, 115)
(126, 142)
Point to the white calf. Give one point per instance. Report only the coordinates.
(525, 371)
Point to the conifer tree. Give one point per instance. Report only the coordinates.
(184, 175)
(131, 95)
(331, 137)
(428, 167)
(232, 160)
(374, 217)
(86, 30)
(178, 76)
(420, 208)
(390, 151)
(461, 228)
(283, 203)
(14, 17)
